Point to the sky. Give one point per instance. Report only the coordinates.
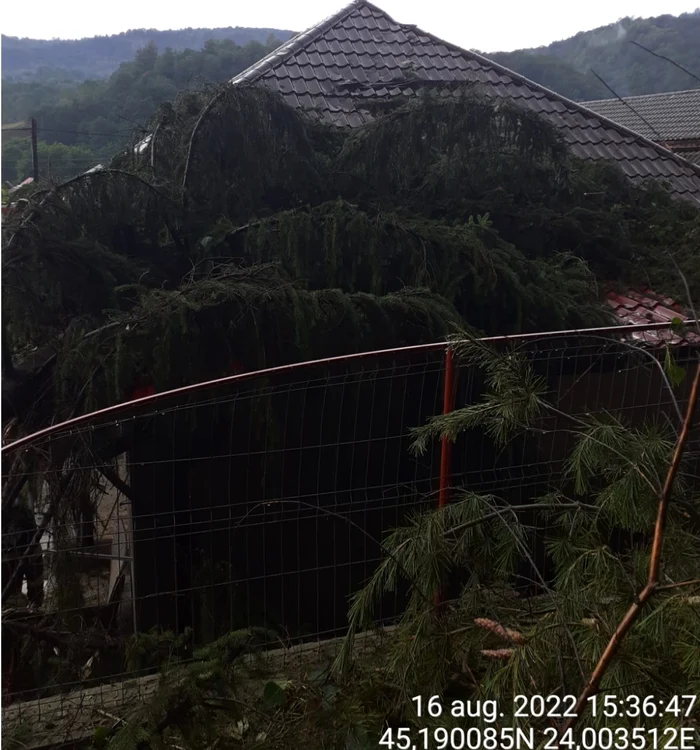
(487, 26)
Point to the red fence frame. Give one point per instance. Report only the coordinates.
(111, 411)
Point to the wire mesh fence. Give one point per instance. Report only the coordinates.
(262, 501)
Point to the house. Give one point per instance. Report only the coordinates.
(671, 119)
(339, 70)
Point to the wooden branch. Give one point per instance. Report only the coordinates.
(195, 129)
(652, 581)
(59, 637)
(85, 175)
(45, 521)
(112, 476)
(11, 490)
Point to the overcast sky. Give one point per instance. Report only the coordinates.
(488, 26)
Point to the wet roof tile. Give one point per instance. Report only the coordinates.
(645, 306)
(672, 116)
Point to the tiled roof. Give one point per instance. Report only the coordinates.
(674, 116)
(336, 69)
(638, 308)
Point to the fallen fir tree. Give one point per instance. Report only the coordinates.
(476, 202)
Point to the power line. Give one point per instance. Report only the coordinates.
(626, 103)
(122, 134)
(668, 59)
(86, 160)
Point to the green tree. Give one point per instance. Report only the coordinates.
(100, 114)
(13, 151)
(500, 234)
(565, 66)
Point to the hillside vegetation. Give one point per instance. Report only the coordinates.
(82, 124)
(613, 53)
(100, 56)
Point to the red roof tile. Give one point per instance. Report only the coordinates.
(641, 307)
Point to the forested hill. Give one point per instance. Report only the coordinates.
(99, 56)
(83, 123)
(613, 53)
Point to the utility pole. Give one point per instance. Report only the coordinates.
(35, 153)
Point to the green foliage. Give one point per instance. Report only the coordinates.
(175, 338)
(432, 148)
(246, 232)
(487, 637)
(185, 690)
(155, 649)
(238, 151)
(674, 372)
(274, 693)
(467, 157)
(492, 283)
(513, 397)
(57, 160)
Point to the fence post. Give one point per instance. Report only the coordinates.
(35, 151)
(448, 395)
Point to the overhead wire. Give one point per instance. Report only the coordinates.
(121, 134)
(627, 104)
(668, 59)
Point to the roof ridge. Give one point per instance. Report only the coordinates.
(296, 43)
(636, 97)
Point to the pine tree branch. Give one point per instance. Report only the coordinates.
(652, 582)
(53, 191)
(190, 145)
(669, 586)
(519, 509)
